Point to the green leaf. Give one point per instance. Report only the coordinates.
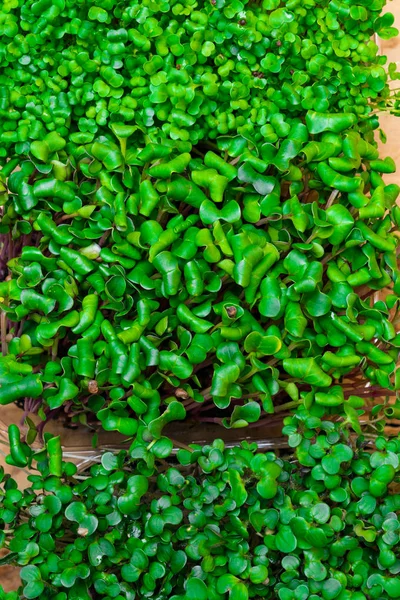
(238, 488)
(178, 365)
(137, 486)
(367, 504)
(239, 592)
(156, 525)
(331, 465)
(343, 452)
(109, 461)
(138, 563)
(318, 122)
(307, 370)
(384, 458)
(285, 540)
(98, 550)
(334, 397)
(368, 533)
(248, 413)
(317, 303)
(295, 321)
(32, 579)
(315, 570)
(196, 588)
(71, 574)
(174, 412)
(262, 184)
(267, 488)
(321, 512)
(209, 213)
(162, 447)
(226, 583)
(43, 522)
(331, 588)
(343, 222)
(76, 511)
(263, 345)
(258, 574)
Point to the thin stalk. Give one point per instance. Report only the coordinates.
(3, 327)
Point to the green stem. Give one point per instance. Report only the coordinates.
(122, 143)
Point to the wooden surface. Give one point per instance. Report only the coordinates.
(391, 125)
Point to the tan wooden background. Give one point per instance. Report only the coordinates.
(391, 48)
(390, 124)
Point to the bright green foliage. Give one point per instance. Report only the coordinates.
(193, 207)
(267, 296)
(184, 71)
(194, 216)
(217, 524)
